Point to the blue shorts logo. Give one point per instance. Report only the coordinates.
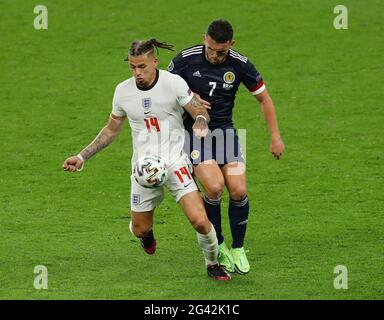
(135, 199)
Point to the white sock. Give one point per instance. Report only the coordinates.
(209, 245)
(130, 228)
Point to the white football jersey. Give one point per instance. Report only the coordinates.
(155, 115)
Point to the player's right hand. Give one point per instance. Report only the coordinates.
(277, 148)
(73, 164)
(203, 102)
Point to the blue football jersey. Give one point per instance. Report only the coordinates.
(217, 84)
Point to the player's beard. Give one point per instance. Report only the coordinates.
(141, 82)
(147, 81)
(214, 62)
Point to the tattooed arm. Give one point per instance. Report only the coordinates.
(105, 137)
(197, 108)
(102, 140)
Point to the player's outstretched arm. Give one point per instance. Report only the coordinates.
(102, 140)
(276, 146)
(197, 108)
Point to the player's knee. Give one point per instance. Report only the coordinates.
(201, 224)
(214, 189)
(139, 230)
(238, 193)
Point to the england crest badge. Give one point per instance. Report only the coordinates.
(147, 103)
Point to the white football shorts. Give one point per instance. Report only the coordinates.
(179, 182)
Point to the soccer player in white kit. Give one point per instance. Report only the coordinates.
(154, 102)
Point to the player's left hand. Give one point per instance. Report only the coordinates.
(200, 127)
(277, 147)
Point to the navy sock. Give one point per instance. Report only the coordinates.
(148, 238)
(213, 208)
(238, 211)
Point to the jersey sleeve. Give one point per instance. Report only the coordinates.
(117, 110)
(252, 79)
(183, 93)
(177, 65)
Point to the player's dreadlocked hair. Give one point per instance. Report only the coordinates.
(220, 30)
(141, 47)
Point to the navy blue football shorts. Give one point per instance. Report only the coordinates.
(220, 144)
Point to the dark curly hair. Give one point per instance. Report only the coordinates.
(220, 30)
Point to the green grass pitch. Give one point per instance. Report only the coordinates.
(320, 206)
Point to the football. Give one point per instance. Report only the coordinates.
(150, 171)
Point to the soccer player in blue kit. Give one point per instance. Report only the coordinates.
(215, 71)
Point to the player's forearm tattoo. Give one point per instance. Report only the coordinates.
(195, 102)
(102, 140)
